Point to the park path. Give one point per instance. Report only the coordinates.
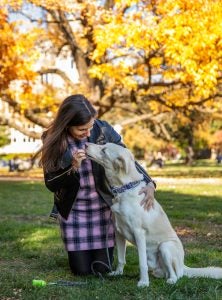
(20, 178)
(187, 180)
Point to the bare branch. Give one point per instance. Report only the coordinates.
(136, 119)
(18, 124)
(58, 72)
(159, 83)
(202, 101)
(29, 114)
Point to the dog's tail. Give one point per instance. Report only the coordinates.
(210, 272)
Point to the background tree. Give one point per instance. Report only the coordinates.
(157, 62)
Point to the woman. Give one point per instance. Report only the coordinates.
(81, 195)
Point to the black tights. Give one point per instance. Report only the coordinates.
(80, 261)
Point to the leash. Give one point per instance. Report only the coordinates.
(109, 265)
(42, 283)
(69, 170)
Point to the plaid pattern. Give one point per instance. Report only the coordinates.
(89, 225)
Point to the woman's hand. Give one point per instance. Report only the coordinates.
(78, 157)
(148, 200)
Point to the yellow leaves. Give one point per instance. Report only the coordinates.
(190, 37)
(171, 8)
(156, 61)
(155, 106)
(15, 4)
(124, 3)
(107, 17)
(140, 70)
(185, 39)
(28, 97)
(136, 137)
(121, 40)
(177, 40)
(67, 5)
(122, 77)
(111, 38)
(17, 56)
(178, 35)
(96, 72)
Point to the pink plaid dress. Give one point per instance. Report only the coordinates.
(89, 225)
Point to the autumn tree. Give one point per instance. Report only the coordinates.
(15, 64)
(153, 61)
(166, 57)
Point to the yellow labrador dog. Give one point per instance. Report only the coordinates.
(159, 247)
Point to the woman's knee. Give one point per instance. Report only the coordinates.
(79, 262)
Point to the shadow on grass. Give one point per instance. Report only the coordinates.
(185, 206)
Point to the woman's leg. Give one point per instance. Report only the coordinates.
(80, 262)
(89, 261)
(102, 261)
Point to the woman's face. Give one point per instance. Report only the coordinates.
(82, 131)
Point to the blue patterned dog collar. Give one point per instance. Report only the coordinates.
(118, 190)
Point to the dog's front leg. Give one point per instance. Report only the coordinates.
(140, 239)
(121, 254)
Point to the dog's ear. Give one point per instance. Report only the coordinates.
(120, 164)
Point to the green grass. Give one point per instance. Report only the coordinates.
(200, 168)
(31, 248)
(204, 168)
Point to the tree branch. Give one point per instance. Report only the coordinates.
(29, 114)
(18, 124)
(58, 72)
(77, 53)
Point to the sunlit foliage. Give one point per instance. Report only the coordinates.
(160, 58)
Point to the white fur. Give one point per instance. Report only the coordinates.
(159, 247)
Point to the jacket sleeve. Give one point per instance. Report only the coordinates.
(146, 176)
(62, 177)
(114, 137)
(59, 179)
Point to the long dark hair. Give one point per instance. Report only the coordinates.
(75, 110)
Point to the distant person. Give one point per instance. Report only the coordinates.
(158, 161)
(11, 165)
(17, 162)
(219, 158)
(81, 194)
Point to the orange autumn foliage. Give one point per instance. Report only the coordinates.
(159, 57)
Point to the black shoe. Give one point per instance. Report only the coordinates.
(53, 216)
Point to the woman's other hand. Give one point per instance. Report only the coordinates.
(148, 200)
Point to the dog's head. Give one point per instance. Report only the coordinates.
(116, 160)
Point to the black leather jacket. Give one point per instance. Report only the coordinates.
(65, 183)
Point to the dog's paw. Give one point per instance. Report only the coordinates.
(143, 283)
(115, 273)
(172, 280)
(158, 273)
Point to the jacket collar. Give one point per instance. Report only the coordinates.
(97, 136)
